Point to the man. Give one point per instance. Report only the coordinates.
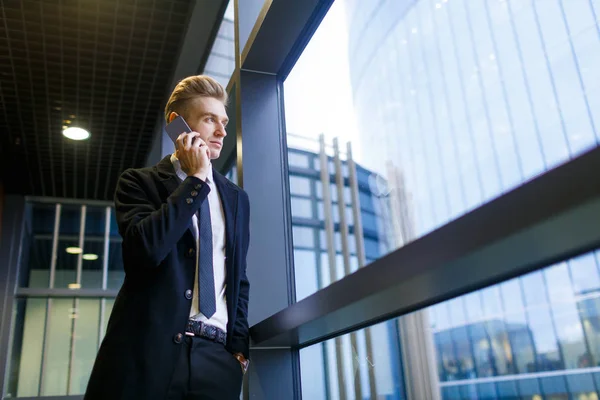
(178, 328)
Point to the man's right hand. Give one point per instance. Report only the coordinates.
(193, 155)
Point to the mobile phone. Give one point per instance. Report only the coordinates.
(177, 127)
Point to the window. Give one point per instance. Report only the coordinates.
(438, 107)
(221, 60)
(67, 246)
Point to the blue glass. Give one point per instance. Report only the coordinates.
(300, 185)
(529, 387)
(487, 391)
(302, 207)
(500, 348)
(455, 103)
(581, 384)
(555, 385)
(584, 270)
(481, 350)
(464, 356)
(522, 343)
(507, 390)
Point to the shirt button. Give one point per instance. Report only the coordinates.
(178, 338)
(191, 252)
(188, 294)
(189, 200)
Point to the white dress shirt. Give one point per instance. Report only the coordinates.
(217, 216)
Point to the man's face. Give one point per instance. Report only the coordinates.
(208, 117)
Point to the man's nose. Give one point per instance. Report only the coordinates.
(221, 129)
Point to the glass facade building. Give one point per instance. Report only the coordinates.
(534, 337)
(455, 103)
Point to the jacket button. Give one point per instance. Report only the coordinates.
(189, 200)
(194, 193)
(178, 338)
(188, 294)
(191, 252)
(197, 186)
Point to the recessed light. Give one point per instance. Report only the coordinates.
(74, 133)
(74, 250)
(74, 286)
(90, 257)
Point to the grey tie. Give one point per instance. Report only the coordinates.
(206, 278)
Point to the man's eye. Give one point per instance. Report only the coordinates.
(211, 120)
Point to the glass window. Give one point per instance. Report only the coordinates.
(303, 237)
(37, 245)
(300, 185)
(340, 367)
(221, 60)
(93, 248)
(447, 105)
(55, 340)
(302, 207)
(68, 251)
(297, 159)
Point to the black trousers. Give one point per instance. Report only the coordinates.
(205, 371)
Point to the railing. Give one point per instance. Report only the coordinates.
(551, 218)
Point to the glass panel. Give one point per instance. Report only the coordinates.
(72, 332)
(116, 272)
(446, 105)
(93, 248)
(37, 245)
(324, 378)
(85, 344)
(28, 339)
(68, 251)
(221, 60)
(58, 348)
(507, 349)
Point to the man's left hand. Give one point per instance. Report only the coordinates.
(243, 362)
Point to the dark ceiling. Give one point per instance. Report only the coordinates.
(105, 65)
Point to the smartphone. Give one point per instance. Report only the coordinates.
(176, 128)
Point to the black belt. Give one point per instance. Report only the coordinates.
(198, 328)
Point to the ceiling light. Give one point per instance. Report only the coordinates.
(74, 286)
(74, 133)
(74, 250)
(90, 257)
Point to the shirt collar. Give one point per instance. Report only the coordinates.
(182, 175)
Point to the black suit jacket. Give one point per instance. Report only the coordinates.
(154, 212)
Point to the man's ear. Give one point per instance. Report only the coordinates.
(172, 116)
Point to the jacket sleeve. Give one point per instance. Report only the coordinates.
(240, 341)
(149, 232)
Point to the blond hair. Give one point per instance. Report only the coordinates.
(193, 87)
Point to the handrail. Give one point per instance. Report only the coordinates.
(548, 219)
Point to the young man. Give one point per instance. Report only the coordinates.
(178, 328)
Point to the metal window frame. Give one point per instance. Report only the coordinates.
(530, 221)
(50, 293)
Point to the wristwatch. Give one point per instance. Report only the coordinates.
(243, 362)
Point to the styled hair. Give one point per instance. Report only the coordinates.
(193, 87)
